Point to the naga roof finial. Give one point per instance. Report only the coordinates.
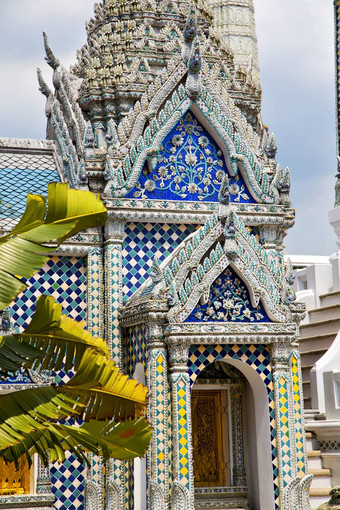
(190, 32)
(190, 29)
(42, 84)
(50, 58)
(193, 84)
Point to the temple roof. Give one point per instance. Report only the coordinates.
(186, 276)
(129, 44)
(26, 166)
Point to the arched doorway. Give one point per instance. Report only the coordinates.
(218, 437)
(238, 420)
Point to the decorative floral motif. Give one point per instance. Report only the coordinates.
(228, 301)
(190, 166)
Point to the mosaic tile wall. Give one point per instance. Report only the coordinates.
(134, 342)
(65, 279)
(298, 413)
(142, 242)
(258, 357)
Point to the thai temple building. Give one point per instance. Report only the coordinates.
(188, 281)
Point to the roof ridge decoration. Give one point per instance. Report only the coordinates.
(105, 154)
(138, 143)
(66, 123)
(223, 241)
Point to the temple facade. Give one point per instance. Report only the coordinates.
(161, 115)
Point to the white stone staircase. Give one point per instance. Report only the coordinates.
(322, 481)
(317, 336)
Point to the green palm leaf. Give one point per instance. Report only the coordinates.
(104, 391)
(122, 441)
(21, 254)
(51, 340)
(98, 394)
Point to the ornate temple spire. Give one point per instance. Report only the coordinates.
(130, 43)
(236, 20)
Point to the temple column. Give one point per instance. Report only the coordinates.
(157, 377)
(182, 493)
(94, 493)
(117, 474)
(284, 417)
(239, 470)
(299, 426)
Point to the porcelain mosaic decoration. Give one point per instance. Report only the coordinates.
(161, 114)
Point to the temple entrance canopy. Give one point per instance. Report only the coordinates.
(221, 301)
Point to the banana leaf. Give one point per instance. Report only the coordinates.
(104, 391)
(98, 394)
(22, 252)
(123, 441)
(51, 340)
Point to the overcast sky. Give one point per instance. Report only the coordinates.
(297, 73)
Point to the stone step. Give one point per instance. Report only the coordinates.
(319, 472)
(321, 482)
(332, 298)
(308, 359)
(306, 373)
(311, 342)
(324, 313)
(330, 326)
(314, 462)
(306, 389)
(320, 492)
(311, 442)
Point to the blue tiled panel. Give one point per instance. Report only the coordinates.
(190, 166)
(68, 484)
(142, 242)
(229, 301)
(16, 183)
(134, 347)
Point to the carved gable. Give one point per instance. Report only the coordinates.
(190, 166)
(228, 301)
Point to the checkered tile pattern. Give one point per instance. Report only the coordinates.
(258, 357)
(128, 483)
(95, 282)
(113, 264)
(96, 469)
(161, 398)
(299, 429)
(181, 386)
(142, 242)
(64, 278)
(68, 484)
(135, 347)
(284, 432)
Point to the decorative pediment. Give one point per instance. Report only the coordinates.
(192, 271)
(131, 101)
(189, 166)
(228, 301)
(221, 121)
